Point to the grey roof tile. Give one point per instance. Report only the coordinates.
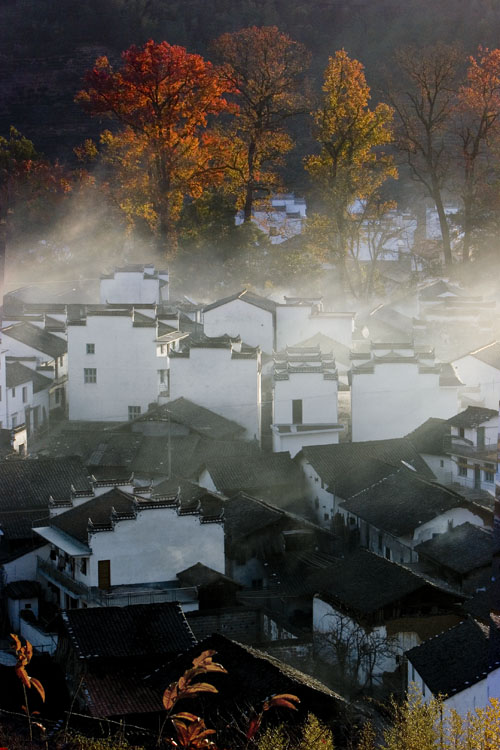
(37, 339)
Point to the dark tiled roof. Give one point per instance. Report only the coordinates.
(201, 420)
(365, 582)
(124, 632)
(432, 437)
(245, 515)
(462, 549)
(22, 590)
(96, 444)
(191, 497)
(257, 472)
(30, 483)
(489, 354)
(454, 660)
(448, 376)
(349, 468)
(246, 296)
(433, 291)
(119, 694)
(401, 502)
(98, 511)
(201, 575)
(473, 416)
(37, 339)
(251, 677)
(18, 524)
(17, 374)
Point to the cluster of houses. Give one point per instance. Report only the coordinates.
(298, 484)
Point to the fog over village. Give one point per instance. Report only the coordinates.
(249, 374)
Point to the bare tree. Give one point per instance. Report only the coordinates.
(424, 100)
(357, 651)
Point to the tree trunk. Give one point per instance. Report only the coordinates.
(443, 225)
(247, 209)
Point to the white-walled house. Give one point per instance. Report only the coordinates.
(300, 318)
(335, 472)
(367, 611)
(120, 548)
(118, 362)
(135, 284)
(403, 510)
(479, 370)
(305, 395)
(244, 314)
(396, 387)
(221, 374)
(281, 217)
(473, 448)
(43, 350)
(432, 439)
(462, 665)
(27, 395)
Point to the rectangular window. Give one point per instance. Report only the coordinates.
(0, 392)
(25, 393)
(489, 476)
(13, 393)
(90, 348)
(57, 395)
(297, 411)
(462, 470)
(83, 566)
(134, 412)
(14, 420)
(89, 375)
(104, 574)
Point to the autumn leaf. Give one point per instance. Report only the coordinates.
(283, 700)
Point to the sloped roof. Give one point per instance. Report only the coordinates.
(124, 632)
(119, 694)
(365, 582)
(472, 417)
(17, 374)
(260, 471)
(201, 420)
(432, 437)
(18, 523)
(462, 549)
(401, 502)
(454, 660)
(201, 575)
(327, 345)
(252, 676)
(37, 338)
(245, 515)
(28, 484)
(349, 468)
(246, 296)
(489, 354)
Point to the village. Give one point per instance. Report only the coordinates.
(306, 489)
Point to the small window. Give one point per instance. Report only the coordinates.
(316, 503)
(489, 476)
(441, 463)
(134, 412)
(13, 393)
(388, 553)
(297, 411)
(461, 432)
(83, 566)
(14, 420)
(257, 584)
(25, 393)
(0, 392)
(89, 375)
(462, 470)
(326, 517)
(61, 360)
(57, 395)
(90, 348)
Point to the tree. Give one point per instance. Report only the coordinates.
(478, 128)
(162, 97)
(28, 183)
(350, 167)
(425, 107)
(264, 67)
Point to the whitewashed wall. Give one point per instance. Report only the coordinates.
(293, 442)
(474, 373)
(131, 287)
(23, 568)
(396, 399)
(154, 547)
(473, 697)
(322, 501)
(294, 323)
(127, 368)
(230, 387)
(239, 318)
(319, 398)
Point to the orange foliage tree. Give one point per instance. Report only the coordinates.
(162, 98)
(478, 132)
(265, 68)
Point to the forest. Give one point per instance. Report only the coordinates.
(80, 184)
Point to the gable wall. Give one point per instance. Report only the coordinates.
(239, 318)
